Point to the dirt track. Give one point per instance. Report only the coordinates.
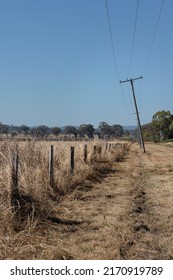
(151, 203)
(128, 215)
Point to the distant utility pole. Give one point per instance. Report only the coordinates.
(137, 113)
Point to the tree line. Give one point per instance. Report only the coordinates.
(159, 129)
(84, 130)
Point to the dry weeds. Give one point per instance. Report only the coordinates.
(34, 220)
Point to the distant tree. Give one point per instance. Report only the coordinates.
(87, 129)
(97, 133)
(40, 131)
(126, 132)
(162, 121)
(33, 131)
(71, 130)
(14, 128)
(117, 130)
(24, 129)
(4, 129)
(105, 129)
(55, 130)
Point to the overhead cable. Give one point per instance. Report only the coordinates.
(133, 40)
(112, 43)
(154, 35)
(113, 50)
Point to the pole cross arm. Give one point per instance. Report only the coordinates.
(129, 80)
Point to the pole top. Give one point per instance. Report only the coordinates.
(130, 80)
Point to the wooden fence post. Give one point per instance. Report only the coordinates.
(72, 159)
(85, 153)
(95, 148)
(100, 150)
(15, 195)
(15, 182)
(15, 171)
(51, 167)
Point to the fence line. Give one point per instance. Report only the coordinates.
(97, 150)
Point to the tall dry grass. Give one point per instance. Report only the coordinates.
(36, 202)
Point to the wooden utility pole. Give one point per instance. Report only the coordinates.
(137, 113)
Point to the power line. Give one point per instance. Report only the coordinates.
(133, 40)
(140, 98)
(125, 100)
(154, 35)
(112, 43)
(113, 51)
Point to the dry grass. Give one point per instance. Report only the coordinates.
(31, 219)
(117, 206)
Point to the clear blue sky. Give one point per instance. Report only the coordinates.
(57, 67)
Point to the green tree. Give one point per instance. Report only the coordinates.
(4, 129)
(117, 130)
(40, 131)
(171, 129)
(24, 129)
(71, 130)
(149, 132)
(87, 129)
(105, 129)
(55, 130)
(161, 121)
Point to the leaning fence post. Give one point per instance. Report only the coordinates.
(85, 153)
(51, 167)
(72, 159)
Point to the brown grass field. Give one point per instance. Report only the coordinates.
(118, 205)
